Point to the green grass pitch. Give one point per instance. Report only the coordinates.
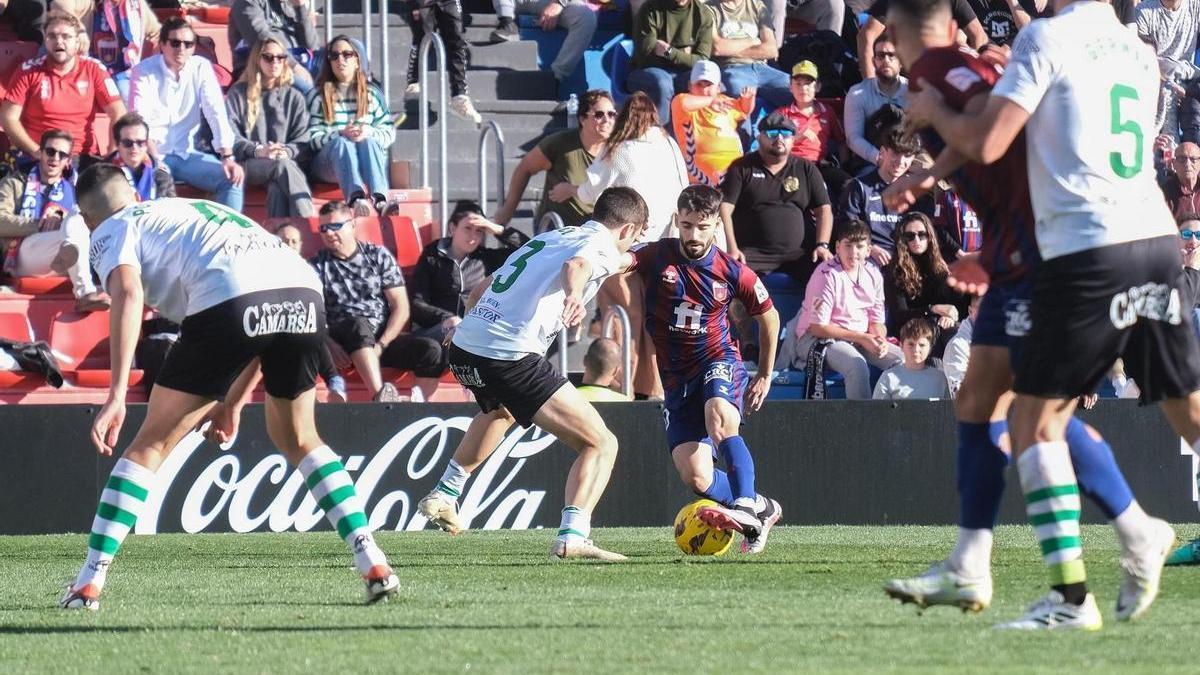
(491, 602)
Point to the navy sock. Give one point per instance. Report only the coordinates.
(981, 465)
(1096, 470)
(740, 466)
(718, 490)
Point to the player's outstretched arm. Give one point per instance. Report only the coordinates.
(576, 272)
(907, 189)
(125, 323)
(768, 331)
(983, 137)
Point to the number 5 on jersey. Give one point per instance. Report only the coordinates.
(1116, 160)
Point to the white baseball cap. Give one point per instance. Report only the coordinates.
(706, 71)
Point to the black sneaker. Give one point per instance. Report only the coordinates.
(506, 31)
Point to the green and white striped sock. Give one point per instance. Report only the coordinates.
(1052, 504)
(575, 523)
(333, 489)
(120, 505)
(453, 480)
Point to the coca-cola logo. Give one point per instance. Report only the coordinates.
(269, 494)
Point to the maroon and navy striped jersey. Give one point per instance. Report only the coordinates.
(998, 192)
(687, 306)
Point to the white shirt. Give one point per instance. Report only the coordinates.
(522, 310)
(193, 254)
(958, 354)
(1091, 89)
(173, 104)
(653, 166)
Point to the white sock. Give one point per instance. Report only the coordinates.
(121, 503)
(1131, 527)
(453, 480)
(575, 523)
(972, 554)
(332, 487)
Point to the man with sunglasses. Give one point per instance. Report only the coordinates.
(174, 91)
(888, 86)
(35, 210)
(132, 138)
(61, 89)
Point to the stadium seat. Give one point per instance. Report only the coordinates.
(12, 53)
(16, 327)
(80, 342)
(616, 57)
(403, 238)
(52, 285)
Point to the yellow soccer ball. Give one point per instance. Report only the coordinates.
(694, 536)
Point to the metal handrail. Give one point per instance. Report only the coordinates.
(562, 351)
(489, 129)
(384, 48)
(328, 22)
(618, 312)
(366, 17)
(439, 49)
(549, 221)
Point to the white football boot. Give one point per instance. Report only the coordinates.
(939, 585)
(1052, 612)
(442, 510)
(381, 584)
(1141, 572)
(574, 547)
(87, 598)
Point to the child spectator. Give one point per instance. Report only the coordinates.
(916, 378)
(819, 135)
(350, 129)
(706, 124)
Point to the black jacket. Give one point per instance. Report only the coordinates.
(439, 286)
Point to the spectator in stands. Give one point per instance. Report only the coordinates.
(639, 154)
(289, 22)
(669, 37)
(768, 198)
(350, 130)
(958, 350)
(861, 200)
(1002, 19)
(270, 123)
(601, 363)
(131, 135)
(451, 267)
(565, 157)
(843, 317)
(873, 31)
(38, 218)
(443, 17)
(366, 308)
(25, 18)
(1189, 248)
(706, 123)
(820, 14)
(176, 91)
(916, 378)
(1180, 187)
(1171, 27)
(864, 98)
(744, 40)
(59, 90)
(819, 135)
(114, 32)
(955, 221)
(573, 16)
(290, 234)
(915, 283)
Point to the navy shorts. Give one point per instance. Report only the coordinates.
(683, 409)
(1003, 318)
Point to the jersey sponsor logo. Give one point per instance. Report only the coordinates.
(1017, 320)
(760, 291)
(1157, 302)
(720, 370)
(720, 291)
(689, 318)
(271, 318)
(467, 376)
(962, 78)
(99, 247)
(670, 276)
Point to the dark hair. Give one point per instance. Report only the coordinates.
(602, 356)
(636, 116)
(464, 208)
(96, 177)
(1184, 217)
(590, 98)
(619, 205)
(896, 140)
(882, 121)
(883, 37)
(915, 329)
(918, 10)
(703, 199)
(909, 273)
(171, 25)
(286, 223)
(853, 230)
(129, 119)
(334, 206)
(56, 134)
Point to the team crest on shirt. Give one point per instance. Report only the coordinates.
(82, 86)
(720, 291)
(670, 275)
(791, 184)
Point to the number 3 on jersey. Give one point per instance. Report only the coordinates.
(1116, 160)
(503, 283)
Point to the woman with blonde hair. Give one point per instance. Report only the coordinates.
(350, 129)
(270, 121)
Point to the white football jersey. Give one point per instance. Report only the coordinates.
(1091, 89)
(521, 311)
(193, 254)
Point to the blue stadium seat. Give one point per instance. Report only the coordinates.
(615, 59)
(787, 295)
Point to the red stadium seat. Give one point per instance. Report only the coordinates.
(42, 285)
(15, 327)
(80, 341)
(12, 53)
(403, 238)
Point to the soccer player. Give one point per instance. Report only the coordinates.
(1084, 89)
(244, 301)
(999, 192)
(499, 353)
(690, 284)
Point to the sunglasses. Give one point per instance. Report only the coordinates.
(332, 227)
(339, 56)
(913, 236)
(885, 55)
(1186, 159)
(274, 58)
(600, 115)
(133, 143)
(1190, 234)
(776, 133)
(52, 153)
(181, 44)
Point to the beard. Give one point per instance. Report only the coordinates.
(695, 250)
